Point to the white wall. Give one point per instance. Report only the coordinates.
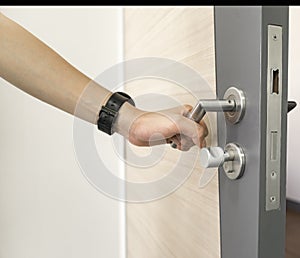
(47, 207)
(293, 154)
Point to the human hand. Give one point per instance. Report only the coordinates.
(143, 128)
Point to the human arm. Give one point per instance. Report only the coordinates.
(32, 66)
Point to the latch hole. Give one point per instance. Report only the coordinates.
(275, 81)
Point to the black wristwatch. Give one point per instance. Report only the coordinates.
(109, 112)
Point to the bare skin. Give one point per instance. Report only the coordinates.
(32, 66)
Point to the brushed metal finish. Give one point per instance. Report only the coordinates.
(234, 169)
(238, 97)
(274, 107)
(210, 105)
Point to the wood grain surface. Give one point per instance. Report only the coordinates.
(184, 222)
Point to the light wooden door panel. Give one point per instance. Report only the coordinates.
(185, 223)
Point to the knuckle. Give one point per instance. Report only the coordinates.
(186, 108)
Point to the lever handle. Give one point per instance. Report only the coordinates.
(232, 104)
(232, 159)
(215, 105)
(212, 157)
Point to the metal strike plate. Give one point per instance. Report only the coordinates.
(274, 113)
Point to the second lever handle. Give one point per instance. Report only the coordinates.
(213, 157)
(232, 159)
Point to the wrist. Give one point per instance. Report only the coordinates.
(126, 118)
(110, 111)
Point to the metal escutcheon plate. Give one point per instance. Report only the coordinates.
(234, 169)
(238, 96)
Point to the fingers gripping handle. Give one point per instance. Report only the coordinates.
(232, 104)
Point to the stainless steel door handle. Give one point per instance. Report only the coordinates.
(232, 158)
(233, 104)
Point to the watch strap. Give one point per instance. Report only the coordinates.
(109, 112)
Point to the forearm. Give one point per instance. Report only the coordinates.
(32, 66)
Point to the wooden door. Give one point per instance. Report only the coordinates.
(185, 223)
